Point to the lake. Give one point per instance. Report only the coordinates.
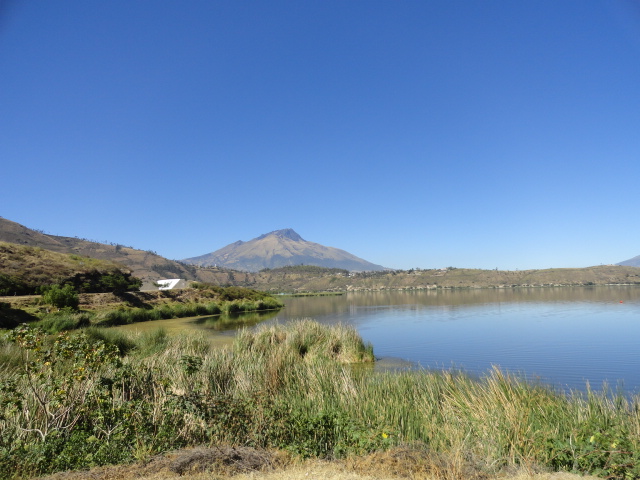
(563, 336)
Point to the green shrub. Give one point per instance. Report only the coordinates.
(213, 309)
(12, 285)
(60, 296)
(307, 339)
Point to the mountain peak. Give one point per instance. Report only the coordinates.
(278, 249)
(288, 233)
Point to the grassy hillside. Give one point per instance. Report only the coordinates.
(304, 278)
(25, 268)
(144, 264)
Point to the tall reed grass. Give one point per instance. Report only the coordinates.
(293, 387)
(127, 316)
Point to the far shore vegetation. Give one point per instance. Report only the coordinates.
(97, 396)
(61, 307)
(311, 279)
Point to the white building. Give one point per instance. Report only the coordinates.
(169, 284)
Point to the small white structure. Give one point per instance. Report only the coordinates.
(170, 284)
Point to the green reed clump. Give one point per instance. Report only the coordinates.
(121, 340)
(65, 319)
(307, 338)
(287, 387)
(126, 316)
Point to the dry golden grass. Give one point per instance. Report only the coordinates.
(243, 463)
(35, 266)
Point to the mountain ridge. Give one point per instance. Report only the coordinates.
(632, 262)
(280, 248)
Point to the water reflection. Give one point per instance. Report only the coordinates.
(217, 324)
(231, 323)
(449, 299)
(565, 335)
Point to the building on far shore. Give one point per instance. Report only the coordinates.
(170, 284)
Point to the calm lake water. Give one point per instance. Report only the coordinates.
(562, 336)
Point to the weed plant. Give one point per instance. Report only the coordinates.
(95, 397)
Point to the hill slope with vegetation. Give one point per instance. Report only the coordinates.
(25, 270)
(313, 279)
(144, 264)
(151, 267)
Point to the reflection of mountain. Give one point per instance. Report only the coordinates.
(281, 248)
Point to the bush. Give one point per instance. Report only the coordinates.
(94, 281)
(119, 282)
(61, 296)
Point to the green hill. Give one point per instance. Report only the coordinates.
(23, 269)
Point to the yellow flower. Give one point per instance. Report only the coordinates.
(592, 439)
(384, 435)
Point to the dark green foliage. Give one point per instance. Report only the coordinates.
(60, 296)
(190, 364)
(12, 285)
(92, 281)
(119, 282)
(600, 446)
(95, 281)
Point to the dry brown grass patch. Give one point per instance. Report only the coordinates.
(418, 464)
(245, 463)
(197, 463)
(225, 460)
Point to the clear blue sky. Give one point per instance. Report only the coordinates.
(490, 134)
